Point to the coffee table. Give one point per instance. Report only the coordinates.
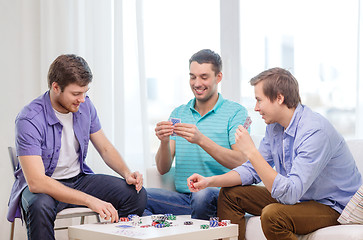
(178, 231)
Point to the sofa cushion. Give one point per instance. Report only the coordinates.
(353, 212)
(346, 232)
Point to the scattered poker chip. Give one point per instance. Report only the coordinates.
(145, 226)
(227, 221)
(130, 216)
(188, 223)
(204, 226)
(213, 223)
(172, 217)
(222, 224)
(160, 225)
(157, 217)
(124, 219)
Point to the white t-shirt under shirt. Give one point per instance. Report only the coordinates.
(68, 165)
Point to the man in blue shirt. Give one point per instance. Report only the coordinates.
(315, 174)
(52, 137)
(204, 141)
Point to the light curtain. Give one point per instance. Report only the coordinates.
(108, 35)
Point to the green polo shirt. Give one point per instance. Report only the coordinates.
(219, 124)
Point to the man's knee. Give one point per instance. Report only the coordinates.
(270, 212)
(204, 203)
(273, 217)
(142, 200)
(41, 205)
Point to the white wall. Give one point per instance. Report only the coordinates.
(20, 82)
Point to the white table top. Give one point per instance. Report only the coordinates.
(178, 231)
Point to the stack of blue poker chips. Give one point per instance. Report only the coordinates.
(213, 223)
(160, 225)
(214, 219)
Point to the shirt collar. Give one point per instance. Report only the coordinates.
(214, 109)
(52, 118)
(291, 129)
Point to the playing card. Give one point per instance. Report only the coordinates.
(173, 121)
(247, 123)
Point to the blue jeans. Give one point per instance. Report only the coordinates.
(201, 205)
(40, 210)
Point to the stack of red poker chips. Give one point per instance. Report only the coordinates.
(222, 224)
(124, 219)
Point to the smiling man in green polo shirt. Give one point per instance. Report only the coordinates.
(204, 142)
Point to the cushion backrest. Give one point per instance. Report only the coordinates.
(356, 148)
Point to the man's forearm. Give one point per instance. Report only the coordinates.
(263, 169)
(60, 192)
(114, 160)
(229, 158)
(163, 158)
(230, 179)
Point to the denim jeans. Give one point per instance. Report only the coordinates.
(200, 205)
(40, 210)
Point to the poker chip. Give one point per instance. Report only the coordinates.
(222, 224)
(124, 219)
(159, 225)
(158, 217)
(188, 223)
(213, 223)
(227, 221)
(130, 216)
(204, 226)
(214, 219)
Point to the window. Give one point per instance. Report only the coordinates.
(316, 41)
(173, 32)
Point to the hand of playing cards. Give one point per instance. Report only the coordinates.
(174, 121)
(247, 123)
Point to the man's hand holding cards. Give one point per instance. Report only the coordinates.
(174, 121)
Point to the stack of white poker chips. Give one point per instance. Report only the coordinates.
(226, 221)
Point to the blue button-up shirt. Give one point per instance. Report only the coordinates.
(312, 160)
(38, 132)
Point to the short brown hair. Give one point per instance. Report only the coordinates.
(279, 81)
(67, 69)
(208, 56)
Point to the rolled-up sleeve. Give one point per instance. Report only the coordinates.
(247, 172)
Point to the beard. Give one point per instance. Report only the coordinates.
(68, 107)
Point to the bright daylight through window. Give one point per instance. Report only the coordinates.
(316, 40)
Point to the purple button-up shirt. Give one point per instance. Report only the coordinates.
(38, 132)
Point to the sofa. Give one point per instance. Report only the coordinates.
(253, 224)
